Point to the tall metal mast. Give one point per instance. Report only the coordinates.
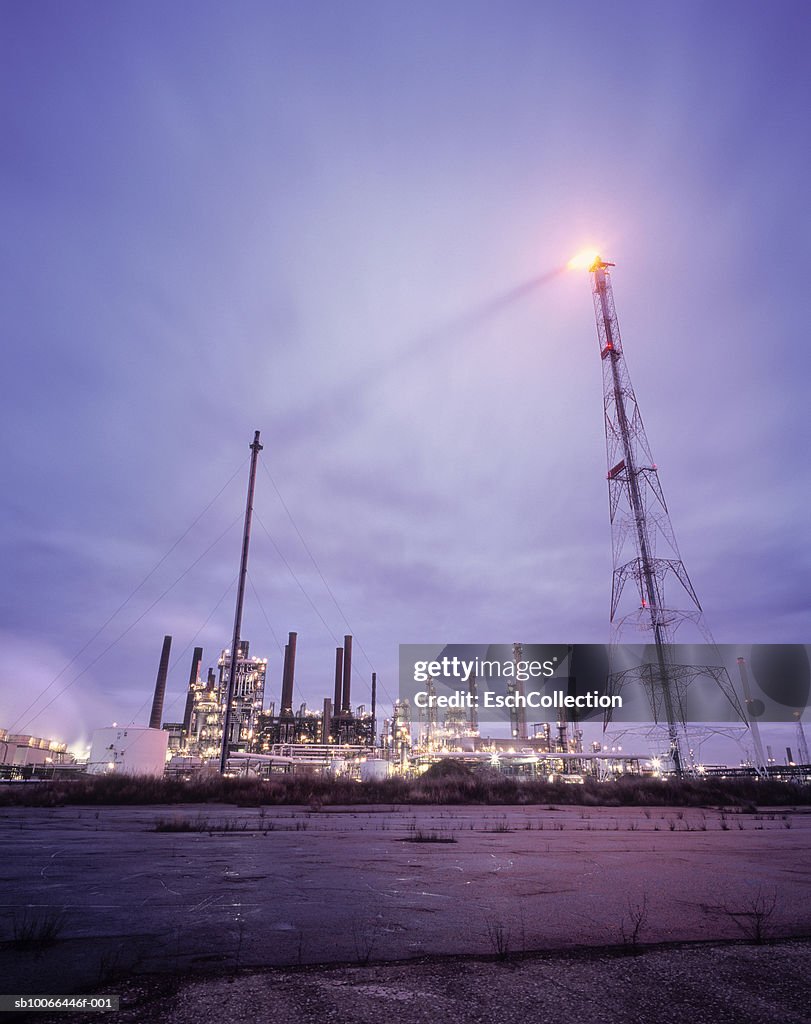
(643, 543)
(761, 764)
(256, 447)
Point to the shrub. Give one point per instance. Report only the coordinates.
(444, 783)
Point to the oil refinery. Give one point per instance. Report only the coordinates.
(229, 726)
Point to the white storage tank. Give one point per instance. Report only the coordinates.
(375, 769)
(130, 750)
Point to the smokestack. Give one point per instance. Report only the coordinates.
(288, 674)
(285, 668)
(160, 685)
(339, 676)
(197, 657)
(326, 721)
(374, 709)
(346, 707)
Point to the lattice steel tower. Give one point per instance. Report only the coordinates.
(645, 554)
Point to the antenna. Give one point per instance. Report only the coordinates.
(662, 598)
(256, 447)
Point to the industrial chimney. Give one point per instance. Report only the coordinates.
(346, 707)
(326, 721)
(160, 685)
(374, 709)
(286, 709)
(284, 677)
(197, 657)
(339, 678)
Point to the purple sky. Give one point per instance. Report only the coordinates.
(218, 217)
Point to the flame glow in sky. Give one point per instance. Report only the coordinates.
(583, 260)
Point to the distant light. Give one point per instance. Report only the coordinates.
(583, 260)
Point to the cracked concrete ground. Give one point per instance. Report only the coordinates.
(254, 888)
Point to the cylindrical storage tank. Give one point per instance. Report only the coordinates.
(337, 766)
(374, 770)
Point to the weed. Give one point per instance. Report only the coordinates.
(364, 938)
(753, 917)
(198, 824)
(300, 944)
(201, 824)
(632, 925)
(462, 786)
(37, 928)
(499, 935)
(116, 962)
(431, 837)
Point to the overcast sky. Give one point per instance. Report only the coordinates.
(316, 220)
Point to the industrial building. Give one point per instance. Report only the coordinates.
(19, 751)
(204, 714)
(278, 737)
(225, 720)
